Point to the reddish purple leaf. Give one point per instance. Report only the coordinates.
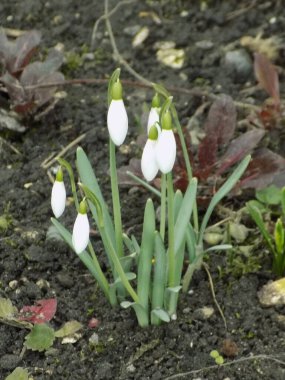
(239, 148)
(267, 76)
(262, 169)
(43, 312)
(221, 122)
(207, 153)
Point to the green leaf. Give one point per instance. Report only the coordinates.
(159, 276)
(184, 214)
(40, 338)
(69, 328)
(175, 289)
(219, 247)
(257, 217)
(178, 199)
(223, 191)
(88, 178)
(140, 311)
(18, 374)
(161, 314)
(279, 236)
(270, 195)
(214, 354)
(146, 255)
(7, 310)
(130, 276)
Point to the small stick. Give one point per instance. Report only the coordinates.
(15, 150)
(205, 266)
(46, 164)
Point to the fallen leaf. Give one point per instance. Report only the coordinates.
(69, 328)
(43, 312)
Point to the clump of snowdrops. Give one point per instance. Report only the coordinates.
(146, 274)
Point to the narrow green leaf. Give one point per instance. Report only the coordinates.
(223, 191)
(256, 216)
(191, 242)
(178, 199)
(141, 313)
(40, 338)
(146, 255)
(130, 276)
(88, 178)
(84, 257)
(279, 236)
(174, 289)
(220, 247)
(184, 214)
(159, 275)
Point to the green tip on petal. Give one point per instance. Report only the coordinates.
(166, 121)
(59, 175)
(155, 101)
(82, 207)
(117, 91)
(153, 133)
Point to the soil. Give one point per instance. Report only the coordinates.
(35, 266)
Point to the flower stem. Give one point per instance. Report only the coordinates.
(171, 253)
(187, 162)
(163, 206)
(116, 201)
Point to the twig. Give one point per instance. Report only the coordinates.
(46, 164)
(103, 17)
(117, 54)
(238, 361)
(15, 150)
(205, 266)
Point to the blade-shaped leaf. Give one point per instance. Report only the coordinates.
(267, 76)
(223, 191)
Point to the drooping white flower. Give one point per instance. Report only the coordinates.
(153, 118)
(58, 195)
(149, 165)
(81, 230)
(117, 118)
(165, 149)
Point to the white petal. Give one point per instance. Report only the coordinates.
(165, 151)
(153, 118)
(58, 198)
(80, 235)
(117, 121)
(148, 162)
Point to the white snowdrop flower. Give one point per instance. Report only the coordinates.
(165, 149)
(58, 195)
(117, 119)
(153, 116)
(149, 165)
(81, 229)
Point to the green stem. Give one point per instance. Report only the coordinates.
(101, 277)
(116, 201)
(187, 162)
(118, 266)
(163, 206)
(171, 252)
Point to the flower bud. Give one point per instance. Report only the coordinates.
(165, 149)
(81, 229)
(58, 195)
(117, 119)
(149, 165)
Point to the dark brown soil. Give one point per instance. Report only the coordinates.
(125, 351)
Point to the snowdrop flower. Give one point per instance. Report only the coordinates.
(117, 119)
(58, 195)
(149, 165)
(165, 149)
(81, 229)
(153, 116)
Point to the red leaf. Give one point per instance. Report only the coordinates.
(239, 148)
(262, 169)
(267, 76)
(221, 122)
(43, 312)
(207, 153)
